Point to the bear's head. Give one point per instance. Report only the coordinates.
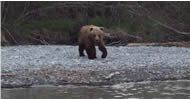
(96, 33)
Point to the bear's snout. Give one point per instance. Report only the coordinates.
(97, 40)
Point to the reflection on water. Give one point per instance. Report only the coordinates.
(142, 90)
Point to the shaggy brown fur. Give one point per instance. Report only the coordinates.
(91, 35)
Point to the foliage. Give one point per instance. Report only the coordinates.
(154, 21)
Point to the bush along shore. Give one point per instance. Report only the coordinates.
(44, 23)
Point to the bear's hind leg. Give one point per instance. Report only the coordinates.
(81, 49)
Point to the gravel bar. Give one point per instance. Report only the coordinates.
(23, 66)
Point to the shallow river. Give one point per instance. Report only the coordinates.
(141, 90)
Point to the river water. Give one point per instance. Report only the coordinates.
(141, 90)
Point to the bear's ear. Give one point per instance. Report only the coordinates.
(102, 28)
(91, 29)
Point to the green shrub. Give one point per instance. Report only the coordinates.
(99, 21)
(54, 25)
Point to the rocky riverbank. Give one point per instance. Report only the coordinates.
(24, 66)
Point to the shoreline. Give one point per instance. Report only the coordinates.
(60, 65)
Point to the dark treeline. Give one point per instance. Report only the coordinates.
(59, 22)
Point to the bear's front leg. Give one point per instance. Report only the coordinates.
(81, 49)
(91, 51)
(102, 48)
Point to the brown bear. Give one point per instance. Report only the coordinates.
(89, 37)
